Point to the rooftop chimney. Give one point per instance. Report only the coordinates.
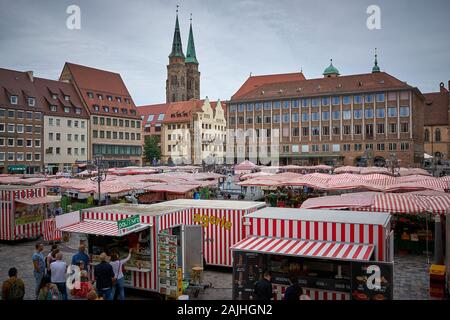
(30, 75)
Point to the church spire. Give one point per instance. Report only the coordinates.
(190, 54)
(177, 47)
(376, 68)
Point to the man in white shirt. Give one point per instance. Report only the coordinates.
(58, 270)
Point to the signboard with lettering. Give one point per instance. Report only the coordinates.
(128, 224)
(372, 280)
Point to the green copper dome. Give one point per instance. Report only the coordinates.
(331, 69)
(376, 68)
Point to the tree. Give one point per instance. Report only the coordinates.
(151, 148)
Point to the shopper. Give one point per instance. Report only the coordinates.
(39, 266)
(104, 274)
(85, 287)
(263, 288)
(48, 290)
(303, 295)
(58, 210)
(81, 256)
(13, 288)
(51, 257)
(294, 291)
(58, 274)
(117, 266)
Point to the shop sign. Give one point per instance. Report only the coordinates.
(206, 220)
(128, 224)
(19, 167)
(180, 281)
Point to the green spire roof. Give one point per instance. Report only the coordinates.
(331, 69)
(376, 68)
(177, 47)
(190, 54)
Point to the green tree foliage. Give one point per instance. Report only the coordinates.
(151, 148)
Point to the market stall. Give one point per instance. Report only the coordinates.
(23, 210)
(164, 240)
(222, 223)
(331, 253)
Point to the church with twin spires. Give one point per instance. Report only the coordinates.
(183, 77)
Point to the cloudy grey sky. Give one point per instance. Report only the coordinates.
(233, 38)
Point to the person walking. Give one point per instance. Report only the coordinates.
(51, 257)
(104, 275)
(58, 274)
(294, 291)
(13, 288)
(81, 256)
(117, 265)
(263, 287)
(38, 266)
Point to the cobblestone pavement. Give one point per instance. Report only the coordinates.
(410, 273)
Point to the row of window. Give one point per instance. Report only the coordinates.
(20, 114)
(152, 116)
(117, 122)
(178, 126)
(317, 102)
(11, 142)
(209, 126)
(116, 150)
(19, 156)
(57, 137)
(116, 135)
(20, 128)
(57, 150)
(96, 107)
(54, 108)
(14, 99)
(69, 122)
(358, 147)
(437, 135)
(108, 97)
(379, 113)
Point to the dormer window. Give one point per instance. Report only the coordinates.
(13, 99)
(90, 95)
(133, 112)
(116, 110)
(119, 99)
(53, 108)
(110, 98)
(31, 102)
(106, 108)
(66, 97)
(127, 100)
(54, 96)
(100, 97)
(124, 111)
(78, 110)
(96, 107)
(66, 109)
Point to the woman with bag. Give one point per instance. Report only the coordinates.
(118, 281)
(48, 290)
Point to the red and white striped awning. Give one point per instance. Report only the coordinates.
(100, 228)
(306, 248)
(39, 200)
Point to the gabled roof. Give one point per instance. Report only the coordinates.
(155, 110)
(436, 108)
(17, 83)
(335, 85)
(97, 81)
(45, 88)
(254, 82)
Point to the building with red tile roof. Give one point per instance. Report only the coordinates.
(337, 119)
(115, 125)
(437, 120)
(66, 125)
(21, 123)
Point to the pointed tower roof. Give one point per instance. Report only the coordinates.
(190, 54)
(177, 47)
(376, 68)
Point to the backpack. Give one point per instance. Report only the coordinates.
(16, 292)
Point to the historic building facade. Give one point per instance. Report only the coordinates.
(437, 120)
(152, 117)
(183, 77)
(21, 124)
(66, 126)
(194, 132)
(354, 119)
(115, 125)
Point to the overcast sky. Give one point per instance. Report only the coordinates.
(232, 38)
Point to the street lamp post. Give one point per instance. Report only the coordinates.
(100, 167)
